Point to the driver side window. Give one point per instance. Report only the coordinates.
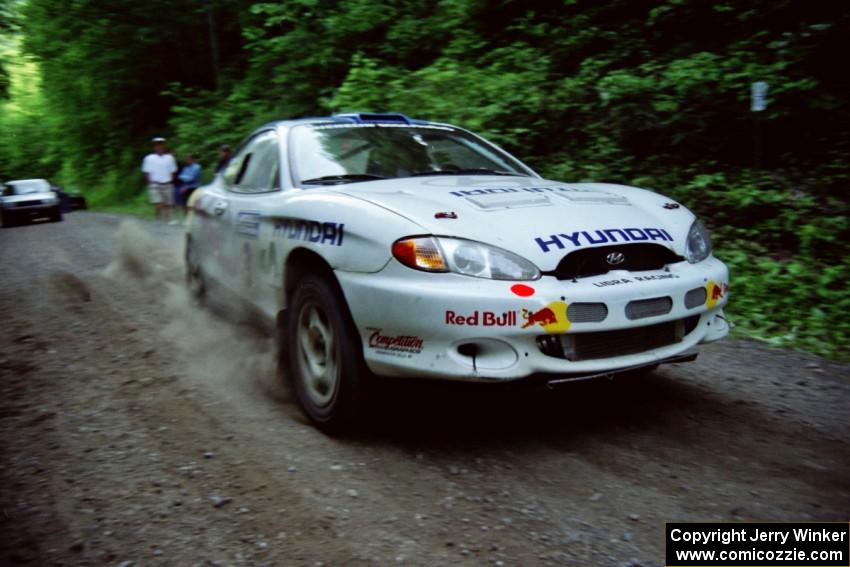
(255, 169)
(234, 167)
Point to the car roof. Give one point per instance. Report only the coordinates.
(354, 118)
(25, 180)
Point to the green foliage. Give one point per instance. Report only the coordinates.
(24, 121)
(9, 26)
(105, 69)
(647, 92)
(797, 302)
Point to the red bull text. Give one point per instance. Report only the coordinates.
(482, 319)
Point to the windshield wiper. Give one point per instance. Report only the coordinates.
(466, 171)
(344, 178)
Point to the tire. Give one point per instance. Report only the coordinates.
(325, 357)
(195, 281)
(6, 219)
(56, 216)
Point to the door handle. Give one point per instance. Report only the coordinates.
(219, 208)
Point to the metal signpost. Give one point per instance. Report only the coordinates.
(758, 103)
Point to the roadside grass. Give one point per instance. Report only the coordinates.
(142, 210)
(138, 206)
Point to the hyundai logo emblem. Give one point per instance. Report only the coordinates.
(615, 258)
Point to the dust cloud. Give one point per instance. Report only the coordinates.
(141, 256)
(236, 360)
(218, 352)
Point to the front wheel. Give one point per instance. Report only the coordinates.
(56, 216)
(325, 354)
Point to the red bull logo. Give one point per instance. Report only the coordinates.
(542, 317)
(715, 292)
(552, 318)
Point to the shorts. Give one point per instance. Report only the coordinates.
(161, 193)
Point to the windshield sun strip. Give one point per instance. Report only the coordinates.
(519, 168)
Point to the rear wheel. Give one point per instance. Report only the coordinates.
(325, 354)
(6, 219)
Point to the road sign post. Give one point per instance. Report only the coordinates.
(758, 103)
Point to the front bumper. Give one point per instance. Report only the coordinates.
(457, 327)
(31, 211)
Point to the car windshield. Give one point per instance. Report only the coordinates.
(26, 187)
(345, 153)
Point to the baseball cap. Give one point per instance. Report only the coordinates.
(158, 140)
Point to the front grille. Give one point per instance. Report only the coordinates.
(643, 308)
(695, 297)
(623, 342)
(637, 257)
(587, 312)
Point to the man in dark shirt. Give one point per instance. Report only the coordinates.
(224, 155)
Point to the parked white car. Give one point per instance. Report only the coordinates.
(399, 247)
(27, 199)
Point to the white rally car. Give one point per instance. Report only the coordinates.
(398, 247)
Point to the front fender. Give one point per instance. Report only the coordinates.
(348, 233)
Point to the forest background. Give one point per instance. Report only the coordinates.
(653, 93)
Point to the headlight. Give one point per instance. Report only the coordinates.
(436, 254)
(698, 247)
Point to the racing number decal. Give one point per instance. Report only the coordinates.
(266, 263)
(268, 260)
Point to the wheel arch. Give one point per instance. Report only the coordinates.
(299, 262)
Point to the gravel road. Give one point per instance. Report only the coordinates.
(137, 430)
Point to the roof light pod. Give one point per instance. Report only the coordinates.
(365, 118)
(465, 257)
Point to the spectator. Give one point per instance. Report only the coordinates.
(224, 155)
(159, 168)
(189, 179)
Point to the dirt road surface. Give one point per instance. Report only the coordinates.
(137, 430)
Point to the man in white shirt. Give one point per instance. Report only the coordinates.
(159, 169)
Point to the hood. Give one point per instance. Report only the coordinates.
(538, 219)
(40, 196)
